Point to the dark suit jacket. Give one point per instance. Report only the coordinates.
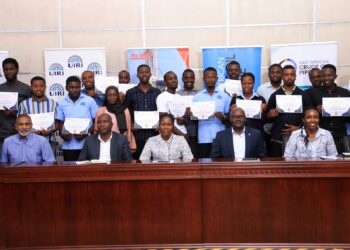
(254, 144)
(120, 149)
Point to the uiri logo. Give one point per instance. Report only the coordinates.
(56, 69)
(95, 67)
(75, 61)
(56, 89)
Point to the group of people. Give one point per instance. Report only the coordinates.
(228, 133)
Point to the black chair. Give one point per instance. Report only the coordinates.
(346, 143)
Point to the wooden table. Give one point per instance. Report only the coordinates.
(207, 201)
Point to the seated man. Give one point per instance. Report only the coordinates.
(26, 146)
(239, 141)
(105, 145)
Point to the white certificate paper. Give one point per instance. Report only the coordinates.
(252, 108)
(76, 126)
(102, 82)
(336, 106)
(125, 87)
(43, 121)
(289, 103)
(8, 100)
(203, 110)
(187, 99)
(146, 119)
(177, 108)
(233, 86)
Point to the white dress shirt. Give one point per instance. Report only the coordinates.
(238, 144)
(105, 149)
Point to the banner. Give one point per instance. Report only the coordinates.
(304, 57)
(160, 60)
(3, 56)
(248, 57)
(62, 63)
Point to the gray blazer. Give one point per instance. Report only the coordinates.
(120, 149)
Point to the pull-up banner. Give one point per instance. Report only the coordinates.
(62, 63)
(3, 56)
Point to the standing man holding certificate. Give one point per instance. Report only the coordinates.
(334, 124)
(208, 128)
(285, 115)
(39, 103)
(142, 98)
(75, 105)
(7, 116)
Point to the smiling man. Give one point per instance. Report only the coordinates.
(26, 146)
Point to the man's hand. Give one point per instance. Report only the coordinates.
(181, 120)
(46, 132)
(289, 129)
(220, 116)
(188, 112)
(79, 137)
(66, 137)
(272, 113)
(9, 112)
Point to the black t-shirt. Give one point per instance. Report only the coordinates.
(7, 123)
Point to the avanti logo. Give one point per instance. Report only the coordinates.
(75, 61)
(56, 89)
(56, 69)
(95, 68)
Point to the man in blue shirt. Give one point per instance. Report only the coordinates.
(75, 105)
(26, 146)
(88, 79)
(207, 129)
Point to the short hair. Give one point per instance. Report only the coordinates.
(37, 78)
(143, 65)
(10, 61)
(308, 109)
(72, 79)
(314, 69)
(288, 66)
(248, 74)
(210, 69)
(124, 71)
(166, 115)
(167, 73)
(23, 115)
(233, 62)
(329, 66)
(187, 71)
(275, 65)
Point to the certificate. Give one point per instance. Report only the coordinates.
(8, 100)
(187, 99)
(336, 106)
(43, 121)
(102, 82)
(289, 103)
(76, 126)
(202, 110)
(233, 87)
(146, 119)
(177, 108)
(252, 108)
(125, 87)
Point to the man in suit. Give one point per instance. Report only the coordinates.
(238, 141)
(105, 145)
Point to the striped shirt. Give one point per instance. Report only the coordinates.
(35, 106)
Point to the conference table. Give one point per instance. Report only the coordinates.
(271, 203)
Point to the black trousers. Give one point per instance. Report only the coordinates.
(193, 143)
(140, 144)
(204, 150)
(71, 155)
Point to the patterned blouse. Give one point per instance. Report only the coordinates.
(173, 149)
(299, 146)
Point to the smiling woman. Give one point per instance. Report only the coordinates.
(310, 141)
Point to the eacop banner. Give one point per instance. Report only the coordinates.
(3, 56)
(249, 57)
(62, 63)
(160, 60)
(304, 57)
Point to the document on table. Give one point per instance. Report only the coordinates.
(203, 110)
(43, 121)
(76, 126)
(9, 100)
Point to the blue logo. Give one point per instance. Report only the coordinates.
(56, 69)
(288, 61)
(75, 61)
(82, 104)
(56, 89)
(95, 67)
